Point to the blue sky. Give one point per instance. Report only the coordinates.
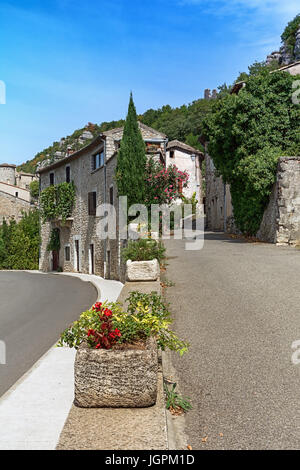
(67, 62)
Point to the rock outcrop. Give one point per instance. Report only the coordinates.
(287, 54)
(297, 45)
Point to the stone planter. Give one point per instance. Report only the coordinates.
(116, 378)
(142, 270)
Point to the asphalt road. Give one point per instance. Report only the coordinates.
(34, 310)
(238, 304)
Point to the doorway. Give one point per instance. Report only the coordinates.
(91, 259)
(77, 256)
(55, 260)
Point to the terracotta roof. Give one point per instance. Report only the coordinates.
(141, 126)
(188, 148)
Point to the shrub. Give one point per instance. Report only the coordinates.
(107, 324)
(144, 250)
(19, 242)
(34, 189)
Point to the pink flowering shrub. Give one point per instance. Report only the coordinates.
(163, 185)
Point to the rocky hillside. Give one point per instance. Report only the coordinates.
(289, 51)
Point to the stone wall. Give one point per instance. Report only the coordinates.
(8, 173)
(15, 191)
(281, 220)
(218, 200)
(12, 207)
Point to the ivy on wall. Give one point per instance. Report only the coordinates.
(246, 135)
(57, 201)
(54, 241)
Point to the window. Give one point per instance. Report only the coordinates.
(92, 202)
(17, 194)
(172, 154)
(111, 196)
(97, 160)
(68, 174)
(51, 179)
(67, 253)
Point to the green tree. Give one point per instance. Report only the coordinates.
(34, 189)
(131, 163)
(289, 34)
(247, 133)
(19, 243)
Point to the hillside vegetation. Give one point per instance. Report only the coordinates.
(182, 123)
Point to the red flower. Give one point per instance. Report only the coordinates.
(98, 346)
(91, 332)
(117, 332)
(107, 312)
(97, 306)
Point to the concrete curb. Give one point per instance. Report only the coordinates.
(177, 438)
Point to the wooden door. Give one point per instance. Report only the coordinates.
(55, 260)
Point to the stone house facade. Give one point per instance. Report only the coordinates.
(81, 250)
(218, 205)
(14, 192)
(189, 159)
(92, 169)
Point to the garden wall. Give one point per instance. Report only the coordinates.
(281, 220)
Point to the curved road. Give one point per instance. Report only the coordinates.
(238, 304)
(34, 310)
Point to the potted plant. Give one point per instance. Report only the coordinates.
(143, 258)
(116, 361)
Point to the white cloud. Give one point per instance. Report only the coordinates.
(288, 8)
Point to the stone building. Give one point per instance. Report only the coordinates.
(14, 192)
(218, 206)
(92, 169)
(189, 159)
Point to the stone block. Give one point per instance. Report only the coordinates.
(116, 378)
(142, 270)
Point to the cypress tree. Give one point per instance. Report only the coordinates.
(131, 163)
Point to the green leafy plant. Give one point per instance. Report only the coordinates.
(19, 242)
(34, 189)
(144, 250)
(54, 242)
(246, 134)
(289, 34)
(146, 316)
(131, 160)
(57, 201)
(175, 402)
